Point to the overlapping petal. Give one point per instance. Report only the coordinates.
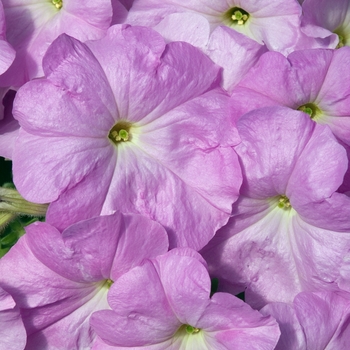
(316, 320)
(281, 240)
(178, 167)
(63, 278)
(12, 331)
(176, 296)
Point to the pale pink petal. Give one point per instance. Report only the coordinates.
(194, 29)
(234, 52)
(136, 70)
(140, 315)
(12, 332)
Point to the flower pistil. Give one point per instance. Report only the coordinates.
(311, 109)
(192, 330)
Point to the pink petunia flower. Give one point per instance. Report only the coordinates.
(32, 25)
(233, 51)
(275, 23)
(313, 81)
(290, 229)
(58, 280)
(166, 304)
(327, 21)
(129, 123)
(316, 321)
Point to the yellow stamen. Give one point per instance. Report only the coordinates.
(120, 132)
(283, 202)
(236, 16)
(192, 330)
(57, 3)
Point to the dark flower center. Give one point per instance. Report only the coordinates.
(236, 16)
(343, 38)
(192, 330)
(109, 282)
(120, 132)
(283, 202)
(57, 3)
(311, 109)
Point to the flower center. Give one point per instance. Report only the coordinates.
(311, 109)
(192, 330)
(343, 38)
(283, 202)
(109, 282)
(57, 3)
(120, 132)
(341, 41)
(237, 16)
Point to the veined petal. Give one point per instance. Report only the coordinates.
(54, 153)
(157, 79)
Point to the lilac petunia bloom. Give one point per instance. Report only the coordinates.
(290, 229)
(58, 280)
(12, 332)
(327, 21)
(165, 304)
(313, 81)
(316, 321)
(233, 51)
(32, 25)
(129, 123)
(275, 23)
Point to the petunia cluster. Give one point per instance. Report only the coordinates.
(180, 174)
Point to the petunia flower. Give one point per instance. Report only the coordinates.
(129, 123)
(57, 280)
(290, 229)
(12, 332)
(32, 25)
(275, 23)
(233, 51)
(327, 20)
(165, 304)
(316, 321)
(312, 81)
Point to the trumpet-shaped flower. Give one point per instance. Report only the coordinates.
(290, 229)
(233, 51)
(58, 280)
(275, 23)
(327, 20)
(129, 123)
(32, 25)
(166, 304)
(312, 81)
